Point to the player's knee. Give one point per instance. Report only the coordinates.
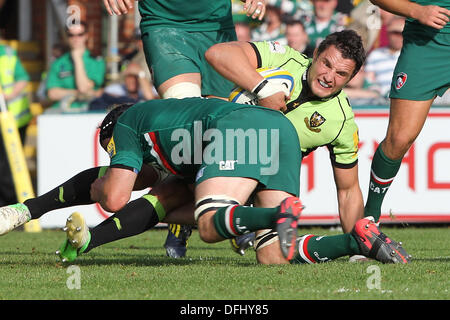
(212, 53)
(183, 90)
(395, 146)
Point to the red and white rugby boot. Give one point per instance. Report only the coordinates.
(375, 244)
(286, 226)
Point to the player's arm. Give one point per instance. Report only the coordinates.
(113, 190)
(350, 199)
(237, 62)
(430, 15)
(118, 7)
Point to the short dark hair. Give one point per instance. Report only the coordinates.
(349, 44)
(108, 123)
(293, 22)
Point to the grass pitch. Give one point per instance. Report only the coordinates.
(137, 268)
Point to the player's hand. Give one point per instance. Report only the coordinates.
(433, 16)
(276, 101)
(118, 7)
(255, 8)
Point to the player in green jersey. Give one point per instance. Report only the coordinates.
(147, 138)
(425, 55)
(345, 244)
(175, 35)
(318, 108)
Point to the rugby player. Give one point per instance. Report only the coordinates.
(425, 55)
(175, 36)
(318, 108)
(145, 133)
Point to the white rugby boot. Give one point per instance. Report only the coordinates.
(13, 216)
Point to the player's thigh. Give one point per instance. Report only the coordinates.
(406, 120)
(168, 54)
(184, 85)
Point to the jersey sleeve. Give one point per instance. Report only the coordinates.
(273, 54)
(344, 149)
(124, 148)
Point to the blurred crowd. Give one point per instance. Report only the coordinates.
(301, 24)
(76, 81)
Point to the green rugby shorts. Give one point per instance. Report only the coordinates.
(423, 68)
(173, 51)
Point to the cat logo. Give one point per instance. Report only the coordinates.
(227, 164)
(314, 121)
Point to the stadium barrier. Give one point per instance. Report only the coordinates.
(68, 144)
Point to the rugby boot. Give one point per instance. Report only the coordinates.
(376, 245)
(13, 216)
(176, 241)
(241, 243)
(78, 238)
(286, 225)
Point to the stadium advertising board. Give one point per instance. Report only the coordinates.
(68, 144)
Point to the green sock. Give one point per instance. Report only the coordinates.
(235, 220)
(383, 171)
(315, 249)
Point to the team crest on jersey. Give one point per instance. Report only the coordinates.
(111, 148)
(314, 121)
(400, 80)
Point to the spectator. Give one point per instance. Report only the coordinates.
(381, 62)
(134, 87)
(13, 81)
(76, 77)
(383, 37)
(273, 28)
(359, 91)
(324, 21)
(297, 38)
(243, 31)
(57, 51)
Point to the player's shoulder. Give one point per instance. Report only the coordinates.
(344, 102)
(276, 47)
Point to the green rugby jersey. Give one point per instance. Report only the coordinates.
(146, 133)
(319, 122)
(198, 15)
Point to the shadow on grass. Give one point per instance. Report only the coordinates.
(143, 257)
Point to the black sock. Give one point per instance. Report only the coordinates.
(73, 192)
(136, 217)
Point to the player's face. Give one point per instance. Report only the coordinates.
(329, 72)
